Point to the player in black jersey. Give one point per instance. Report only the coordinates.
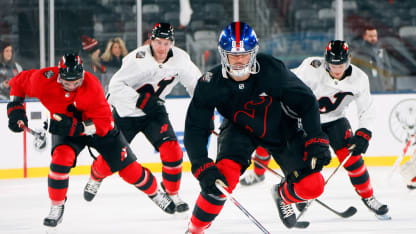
(263, 104)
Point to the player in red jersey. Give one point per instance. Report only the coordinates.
(80, 116)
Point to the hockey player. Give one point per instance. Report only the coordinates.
(336, 83)
(80, 116)
(137, 92)
(258, 98)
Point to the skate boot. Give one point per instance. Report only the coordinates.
(300, 206)
(375, 206)
(180, 205)
(55, 216)
(251, 178)
(286, 212)
(163, 200)
(411, 186)
(91, 189)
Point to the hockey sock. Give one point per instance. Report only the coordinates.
(100, 169)
(63, 159)
(207, 207)
(262, 156)
(140, 177)
(171, 155)
(310, 187)
(357, 171)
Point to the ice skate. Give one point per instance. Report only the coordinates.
(251, 178)
(163, 200)
(380, 210)
(91, 189)
(55, 216)
(286, 212)
(300, 206)
(180, 205)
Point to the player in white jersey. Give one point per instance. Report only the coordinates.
(137, 92)
(336, 84)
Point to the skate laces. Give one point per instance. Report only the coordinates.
(373, 203)
(55, 212)
(92, 186)
(287, 210)
(162, 200)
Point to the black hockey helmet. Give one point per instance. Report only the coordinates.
(70, 67)
(163, 30)
(337, 52)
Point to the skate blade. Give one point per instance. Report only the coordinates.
(51, 230)
(383, 217)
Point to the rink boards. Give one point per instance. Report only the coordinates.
(396, 118)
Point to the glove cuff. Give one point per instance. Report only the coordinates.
(320, 139)
(142, 100)
(199, 168)
(364, 133)
(13, 106)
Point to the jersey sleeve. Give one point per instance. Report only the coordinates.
(121, 93)
(198, 125)
(297, 99)
(20, 85)
(365, 106)
(190, 76)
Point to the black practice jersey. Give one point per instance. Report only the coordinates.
(267, 105)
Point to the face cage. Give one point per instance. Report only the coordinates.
(348, 63)
(239, 70)
(60, 79)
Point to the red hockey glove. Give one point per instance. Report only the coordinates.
(16, 112)
(150, 104)
(317, 154)
(207, 173)
(360, 139)
(63, 125)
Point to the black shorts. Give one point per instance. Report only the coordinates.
(156, 130)
(113, 147)
(339, 133)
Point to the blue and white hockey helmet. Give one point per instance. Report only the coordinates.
(238, 38)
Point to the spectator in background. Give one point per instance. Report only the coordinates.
(91, 57)
(373, 60)
(114, 53)
(8, 68)
(112, 58)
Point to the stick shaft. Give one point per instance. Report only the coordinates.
(221, 186)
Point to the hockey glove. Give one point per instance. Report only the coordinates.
(63, 125)
(317, 154)
(360, 140)
(16, 112)
(150, 104)
(207, 173)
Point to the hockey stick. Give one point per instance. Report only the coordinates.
(40, 137)
(329, 177)
(401, 156)
(221, 186)
(346, 214)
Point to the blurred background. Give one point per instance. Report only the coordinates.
(41, 31)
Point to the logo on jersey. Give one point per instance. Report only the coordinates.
(316, 63)
(164, 128)
(123, 153)
(207, 77)
(140, 54)
(49, 74)
(402, 120)
(240, 86)
(326, 105)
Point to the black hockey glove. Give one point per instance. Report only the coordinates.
(207, 173)
(63, 125)
(360, 140)
(150, 104)
(317, 154)
(16, 112)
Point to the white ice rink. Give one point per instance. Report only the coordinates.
(121, 209)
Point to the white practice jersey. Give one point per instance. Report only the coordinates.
(335, 96)
(141, 72)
